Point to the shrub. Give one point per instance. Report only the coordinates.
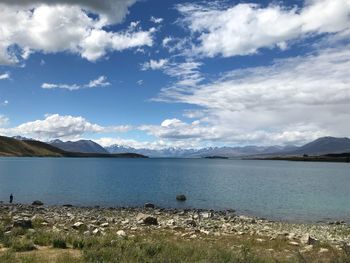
(22, 245)
(59, 243)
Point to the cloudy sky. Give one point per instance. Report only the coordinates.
(154, 73)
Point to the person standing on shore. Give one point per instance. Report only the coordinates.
(11, 199)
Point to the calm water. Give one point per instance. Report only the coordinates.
(293, 191)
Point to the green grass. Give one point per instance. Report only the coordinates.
(152, 246)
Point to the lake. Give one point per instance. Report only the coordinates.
(280, 190)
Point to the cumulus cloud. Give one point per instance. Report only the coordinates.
(60, 126)
(156, 20)
(293, 100)
(245, 28)
(154, 64)
(153, 145)
(4, 76)
(65, 26)
(99, 82)
(111, 10)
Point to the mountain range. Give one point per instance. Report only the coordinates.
(324, 145)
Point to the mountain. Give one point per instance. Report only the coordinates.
(203, 152)
(29, 148)
(15, 147)
(82, 146)
(325, 145)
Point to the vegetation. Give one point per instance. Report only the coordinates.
(44, 245)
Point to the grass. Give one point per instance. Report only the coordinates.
(45, 245)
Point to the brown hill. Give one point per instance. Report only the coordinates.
(30, 148)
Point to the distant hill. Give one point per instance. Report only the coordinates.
(82, 146)
(14, 147)
(29, 148)
(324, 145)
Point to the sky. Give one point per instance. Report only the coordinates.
(188, 74)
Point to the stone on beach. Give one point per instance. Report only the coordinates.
(308, 240)
(149, 205)
(37, 203)
(181, 198)
(146, 219)
(23, 223)
(121, 233)
(79, 226)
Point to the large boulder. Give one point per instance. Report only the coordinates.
(23, 223)
(308, 240)
(181, 198)
(150, 205)
(37, 203)
(146, 219)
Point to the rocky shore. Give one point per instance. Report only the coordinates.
(188, 222)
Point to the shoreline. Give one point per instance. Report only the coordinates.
(196, 235)
(236, 212)
(206, 221)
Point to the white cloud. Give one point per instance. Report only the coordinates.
(154, 64)
(156, 20)
(109, 10)
(4, 76)
(65, 26)
(245, 28)
(3, 120)
(293, 100)
(153, 145)
(60, 126)
(99, 82)
(187, 73)
(140, 82)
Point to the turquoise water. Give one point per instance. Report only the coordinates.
(293, 191)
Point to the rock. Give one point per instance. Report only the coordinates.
(23, 223)
(308, 240)
(125, 222)
(67, 205)
(96, 231)
(150, 220)
(37, 203)
(146, 219)
(79, 226)
(121, 233)
(150, 205)
(171, 222)
(191, 222)
(181, 198)
(206, 215)
(104, 225)
(323, 250)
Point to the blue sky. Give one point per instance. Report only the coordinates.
(185, 74)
